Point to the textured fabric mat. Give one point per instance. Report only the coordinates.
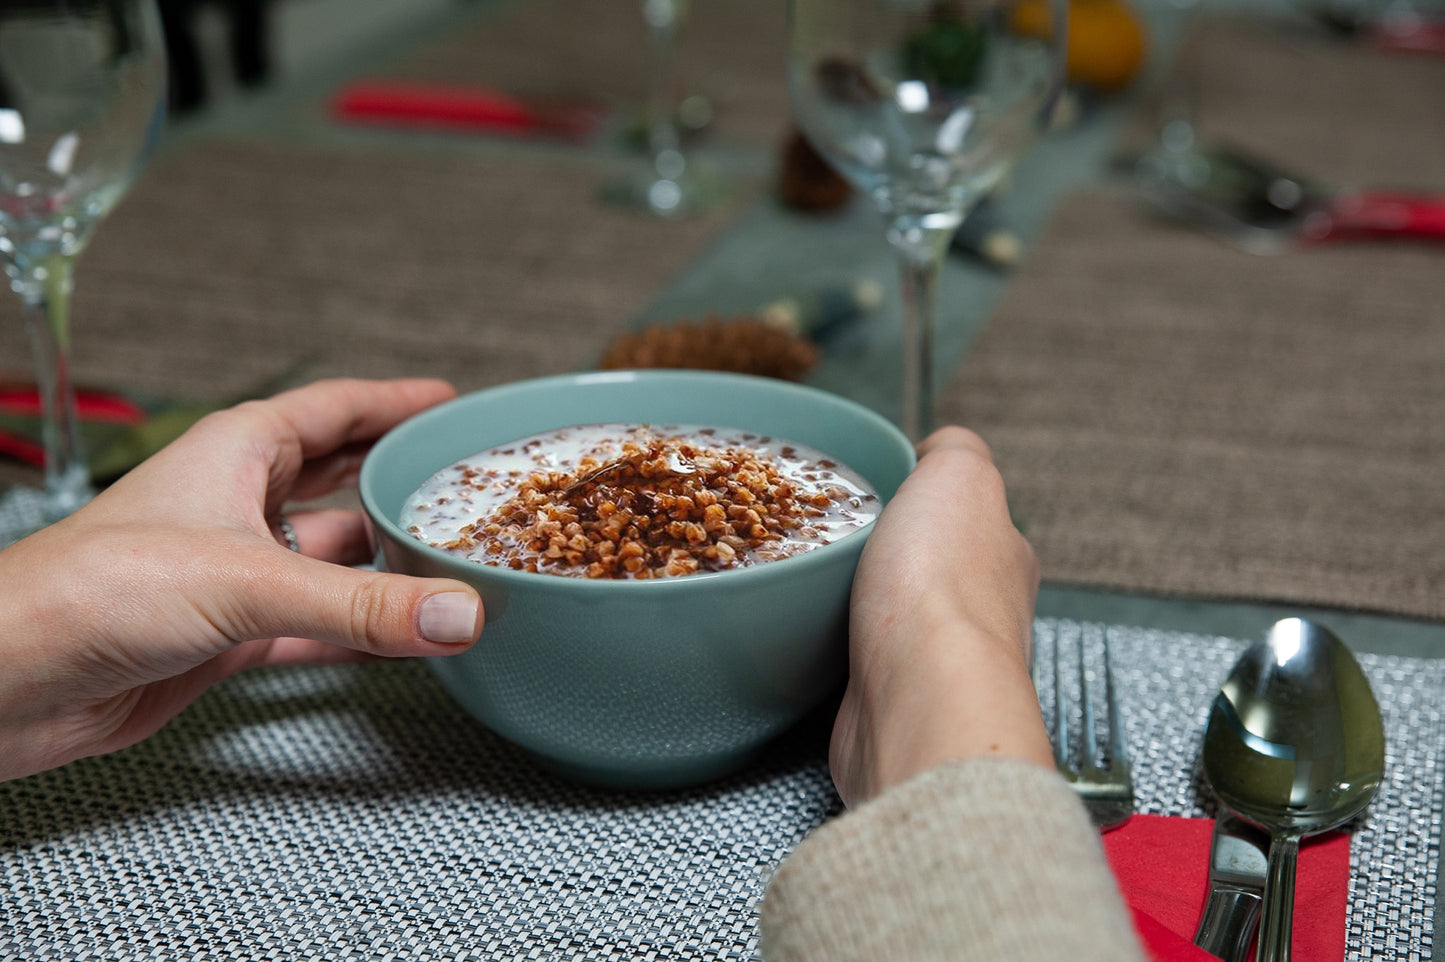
(1341, 114)
(234, 262)
(355, 813)
(1175, 416)
(732, 53)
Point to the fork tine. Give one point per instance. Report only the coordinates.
(1095, 763)
(1088, 738)
(1061, 720)
(1118, 747)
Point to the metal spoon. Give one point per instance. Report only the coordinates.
(1294, 745)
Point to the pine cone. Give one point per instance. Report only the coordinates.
(745, 345)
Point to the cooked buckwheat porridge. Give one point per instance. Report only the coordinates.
(639, 501)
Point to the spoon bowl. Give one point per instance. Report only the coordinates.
(1295, 745)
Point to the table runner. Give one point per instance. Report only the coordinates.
(1175, 416)
(356, 813)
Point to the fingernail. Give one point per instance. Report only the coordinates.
(449, 618)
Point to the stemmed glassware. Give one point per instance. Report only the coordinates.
(1174, 156)
(82, 100)
(924, 105)
(672, 184)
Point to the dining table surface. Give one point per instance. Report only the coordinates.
(1198, 440)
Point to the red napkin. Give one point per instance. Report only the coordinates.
(89, 405)
(1163, 869)
(454, 106)
(1411, 35)
(24, 400)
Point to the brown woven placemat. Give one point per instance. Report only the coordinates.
(234, 262)
(1341, 113)
(731, 53)
(1175, 416)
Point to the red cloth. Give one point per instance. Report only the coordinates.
(1163, 869)
(23, 443)
(461, 107)
(89, 405)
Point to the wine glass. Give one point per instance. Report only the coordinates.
(924, 105)
(1175, 155)
(672, 184)
(82, 100)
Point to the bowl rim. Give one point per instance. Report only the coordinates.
(464, 569)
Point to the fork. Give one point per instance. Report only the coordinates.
(1098, 769)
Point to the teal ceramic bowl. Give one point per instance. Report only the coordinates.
(641, 684)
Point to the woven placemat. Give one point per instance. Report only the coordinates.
(233, 262)
(356, 813)
(1173, 415)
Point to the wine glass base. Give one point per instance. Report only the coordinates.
(695, 191)
(25, 510)
(22, 513)
(692, 119)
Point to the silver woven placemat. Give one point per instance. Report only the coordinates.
(355, 813)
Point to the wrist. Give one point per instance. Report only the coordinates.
(35, 639)
(978, 702)
(957, 695)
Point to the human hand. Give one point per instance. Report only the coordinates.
(940, 628)
(116, 618)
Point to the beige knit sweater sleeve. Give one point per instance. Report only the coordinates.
(992, 860)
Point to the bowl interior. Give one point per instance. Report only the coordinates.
(409, 454)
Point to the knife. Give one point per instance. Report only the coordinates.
(1265, 209)
(1238, 863)
(984, 236)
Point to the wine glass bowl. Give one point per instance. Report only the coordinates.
(82, 99)
(923, 105)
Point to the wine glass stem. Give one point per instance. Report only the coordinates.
(46, 294)
(1178, 117)
(662, 18)
(920, 251)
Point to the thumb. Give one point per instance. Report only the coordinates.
(383, 614)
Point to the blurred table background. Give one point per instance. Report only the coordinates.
(1196, 439)
(1191, 433)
